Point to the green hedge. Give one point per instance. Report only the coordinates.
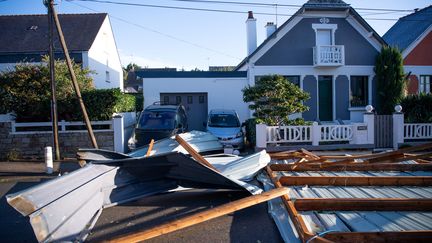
(417, 108)
(100, 104)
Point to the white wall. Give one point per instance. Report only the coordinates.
(103, 57)
(222, 93)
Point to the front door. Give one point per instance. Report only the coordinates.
(325, 93)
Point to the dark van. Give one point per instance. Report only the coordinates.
(159, 121)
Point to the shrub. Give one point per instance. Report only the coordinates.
(250, 128)
(417, 108)
(274, 98)
(100, 104)
(390, 78)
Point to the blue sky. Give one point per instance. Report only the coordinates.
(157, 37)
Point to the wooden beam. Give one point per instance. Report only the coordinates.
(194, 153)
(203, 216)
(356, 180)
(363, 204)
(415, 157)
(353, 167)
(150, 148)
(296, 218)
(368, 237)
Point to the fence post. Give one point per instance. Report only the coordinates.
(63, 125)
(118, 125)
(316, 134)
(398, 127)
(369, 119)
(261, 135)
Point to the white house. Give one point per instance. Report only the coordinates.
(89, 37)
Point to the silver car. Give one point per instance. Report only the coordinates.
(225, 125)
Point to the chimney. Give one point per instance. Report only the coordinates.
(270, 28)
(251, 34)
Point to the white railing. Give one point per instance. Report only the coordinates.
(331, 133)
(286, 134)
(315, 133)
(64, 127)
(417, 131)
(333, 55)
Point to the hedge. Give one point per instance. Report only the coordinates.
(417, 108)
(100, 104)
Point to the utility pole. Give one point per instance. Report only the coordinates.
(72, 74)
(54, 118)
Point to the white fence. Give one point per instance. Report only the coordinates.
(355, 133)
(121, 125)
(64, 127)
(417, 131)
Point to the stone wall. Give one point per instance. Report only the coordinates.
(32, 145)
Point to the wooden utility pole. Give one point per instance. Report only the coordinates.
(72, 74)
(54, 118)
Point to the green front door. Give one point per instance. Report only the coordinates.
(325, 89)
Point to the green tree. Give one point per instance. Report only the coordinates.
(26, 90)
(391, 83)
(274, 98)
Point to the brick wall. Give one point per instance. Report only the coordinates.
(32, 145)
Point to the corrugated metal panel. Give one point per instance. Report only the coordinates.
(405, 222)
(332, 222)
(356, 222)
(383, 223)
(424, 219)
(313, 224)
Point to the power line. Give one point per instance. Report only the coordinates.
(177, 7)
(233, 11)
(160, 33)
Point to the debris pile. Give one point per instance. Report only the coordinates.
(322, 198)
(364, 198)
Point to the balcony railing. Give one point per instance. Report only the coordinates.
(329, 55)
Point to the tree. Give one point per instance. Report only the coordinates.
(390, 78)
(274, 98)
(26, 89)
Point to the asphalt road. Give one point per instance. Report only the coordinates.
(248, 225)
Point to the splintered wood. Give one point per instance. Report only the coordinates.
(202, 216)
(304, 161)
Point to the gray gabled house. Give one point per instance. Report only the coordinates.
(327, 49)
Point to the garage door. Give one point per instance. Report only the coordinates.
(195, 105)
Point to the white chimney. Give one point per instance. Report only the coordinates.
(270, 28)
(251, 33)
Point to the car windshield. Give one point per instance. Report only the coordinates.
(157, 120)
(223, 120)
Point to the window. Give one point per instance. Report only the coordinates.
(359, 91)
(293, 79)
(107, 76)
(324, 33)
(425, 84)
(178, 100)
(201, 99)
(189, 100)
(166, 100)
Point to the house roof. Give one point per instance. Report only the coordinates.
(190, 74)
(29, 33)
(407, 29)
(333, 5)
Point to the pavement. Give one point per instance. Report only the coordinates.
(248, 225)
